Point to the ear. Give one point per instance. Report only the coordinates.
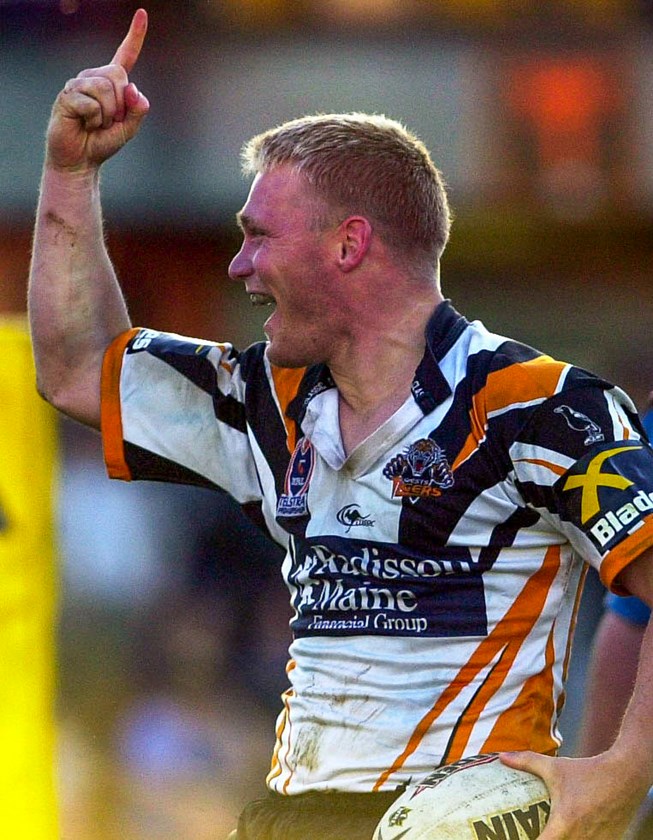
(354, 241)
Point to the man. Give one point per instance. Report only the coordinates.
(435, 485)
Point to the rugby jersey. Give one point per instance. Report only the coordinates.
(435, 573)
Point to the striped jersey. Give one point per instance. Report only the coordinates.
(435, 572)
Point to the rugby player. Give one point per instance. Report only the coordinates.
(438, 488)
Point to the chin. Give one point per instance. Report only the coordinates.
(288, 357)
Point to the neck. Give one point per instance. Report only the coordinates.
(374, 371)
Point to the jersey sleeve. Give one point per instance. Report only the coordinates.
(173, 410)
(583, 462)
(630, 608)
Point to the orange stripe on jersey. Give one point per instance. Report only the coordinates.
(527, 609)
(505, 640)
(628, 550)
(275, 764)
(285, 723)
(531, 713)
(539, 462)
(286, 382)
(112, 439)
(518, 383)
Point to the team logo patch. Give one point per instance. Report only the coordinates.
(580, 422)
(421, 471)
(351, 517)
(294, 500)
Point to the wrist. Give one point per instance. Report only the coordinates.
(81, 174)
(631, 761)
(69, 186)
(69, 202)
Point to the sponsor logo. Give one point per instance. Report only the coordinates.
(442, 773)
(590, 481)
(422, 470)
(522, 823)
(351, 517)
(398, 817)
(143, 339)
(318, 388)
(343, 586)
(294, 499)
(613, 522)
(581, 423)
(381, 621)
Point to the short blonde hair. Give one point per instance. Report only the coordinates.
(364, 164)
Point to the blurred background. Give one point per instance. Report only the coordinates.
(172, 623)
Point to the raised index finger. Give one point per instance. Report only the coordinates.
(127, 53)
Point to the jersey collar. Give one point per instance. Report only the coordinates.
(429, 388)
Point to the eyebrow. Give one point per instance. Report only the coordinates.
(246, 222)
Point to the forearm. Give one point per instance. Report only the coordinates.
(75, 304)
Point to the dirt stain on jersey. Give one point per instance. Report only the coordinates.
(307, 749)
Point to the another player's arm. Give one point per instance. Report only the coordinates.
(610, 680)
(75, 304)
(596, 798)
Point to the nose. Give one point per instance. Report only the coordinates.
(241, 266)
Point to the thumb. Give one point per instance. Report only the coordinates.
(135, 100)
(530, 762)
(136, 107)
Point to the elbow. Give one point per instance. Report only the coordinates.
(75, 401)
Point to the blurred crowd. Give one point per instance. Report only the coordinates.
(174, 641)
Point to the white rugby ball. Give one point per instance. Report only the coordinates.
(477, 798)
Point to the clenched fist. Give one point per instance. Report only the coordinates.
(99, 110)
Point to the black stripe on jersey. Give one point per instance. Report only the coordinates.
(263, 415)
(228, 410)
(151, 467)
(552, 425)
(316, 379)
(444, 328)
(504, 535)
(184, 358)
(463, 714)
(430, 521)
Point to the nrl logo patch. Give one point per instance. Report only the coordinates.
(294, 499)
(421, 471)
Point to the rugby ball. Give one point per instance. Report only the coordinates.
(477, 798)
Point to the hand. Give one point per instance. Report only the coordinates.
(99, 110)
(591, 799)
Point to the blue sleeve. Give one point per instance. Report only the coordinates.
(630, 608)
(647, 422)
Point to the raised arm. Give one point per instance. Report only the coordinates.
(75, 304)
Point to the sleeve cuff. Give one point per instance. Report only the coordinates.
(111, 415)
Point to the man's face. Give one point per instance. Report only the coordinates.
(287, 263)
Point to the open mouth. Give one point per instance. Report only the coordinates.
(258, 299)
